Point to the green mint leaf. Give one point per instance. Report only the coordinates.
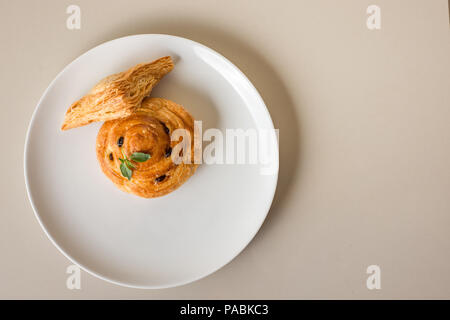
(129, 164)
(126, 172)
(140, 157)
(124, 155)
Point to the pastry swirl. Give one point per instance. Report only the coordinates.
(148, 131)
(117, 95)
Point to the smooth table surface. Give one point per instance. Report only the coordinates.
(364, 142)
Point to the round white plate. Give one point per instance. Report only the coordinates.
(148, 243)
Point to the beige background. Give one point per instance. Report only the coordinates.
(364, 131)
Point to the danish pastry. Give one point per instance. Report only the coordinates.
(117, 95)
(147, 132)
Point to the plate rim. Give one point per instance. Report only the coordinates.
(87, 269)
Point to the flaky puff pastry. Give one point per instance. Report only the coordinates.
(117, 95)
(148, 131)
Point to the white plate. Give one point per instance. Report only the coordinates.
(148, 243)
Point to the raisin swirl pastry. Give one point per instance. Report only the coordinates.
(148, 131)
(118, 95)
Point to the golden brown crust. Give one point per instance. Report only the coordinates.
(117, 95)
(147, 130)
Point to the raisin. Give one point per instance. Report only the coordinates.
(166, 130)
(111, 157)
(120, 142)
(168, 152)
(160, 178)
